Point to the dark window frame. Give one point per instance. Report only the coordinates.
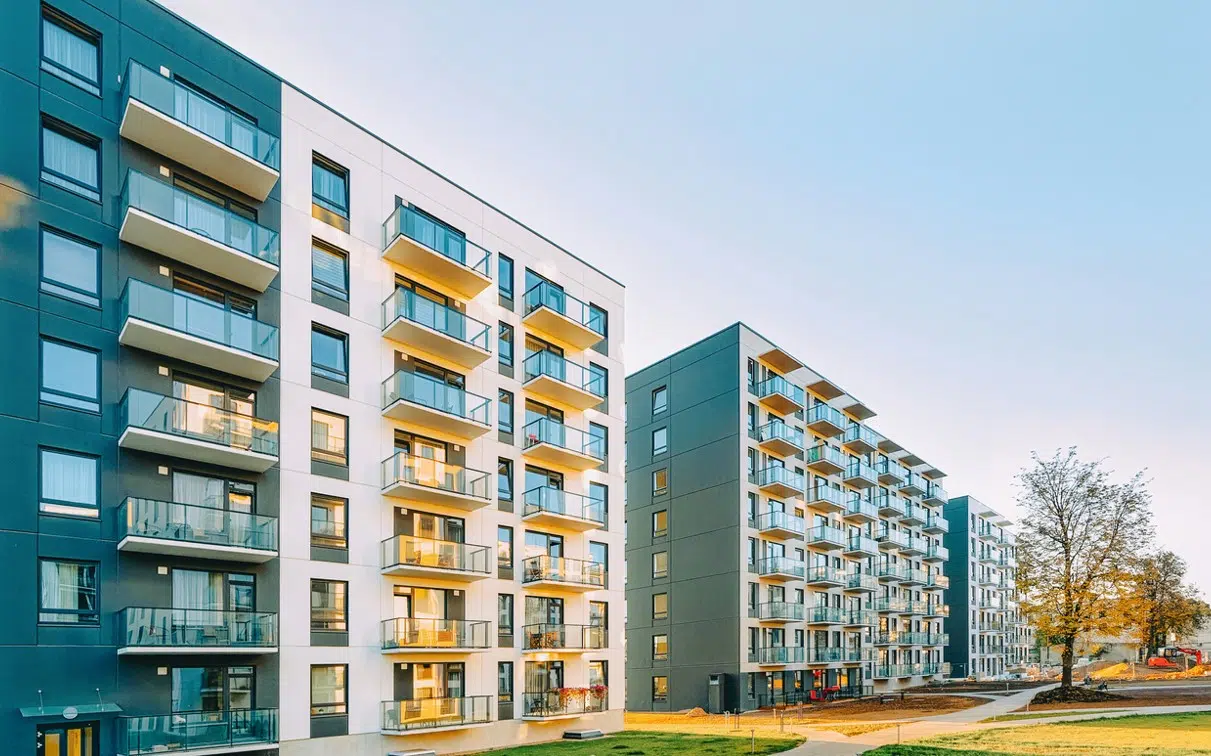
(42, 341)
(505, 335)
(656, 654)
(335, 168)
(43, 500)
(343, 620)
(325, 371)
(663, 392)
(512, 541)
(344, 537)
(70, 293)
(94, 613)
(342, 708)
(504, 462)
(323, 287)
(658, 574)
(658, 532)
(659, 490)
(502, 261)
(66, 130)
(656, 614)
(660, 697)
(664, 449)
(58, 18)
(505, 420)
(329, 413)
(503, 629)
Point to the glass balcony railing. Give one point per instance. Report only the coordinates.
(857, 469)
(563, 570)
(861, 617)
(780, 655)
(778, 475)
(856, 506)
(196, 730)
(407, 305)
(860, 581)
(192, 213)
(780, 432)
(565, 503)
(780, 610)
(148, 518)
(895, 537)
(825, 534)
(422, 390)
(826, 495)
(429, 713)
(198, 318)
(824, 574)
(199, 112)
(547, 431)
(780, 565)
(550, 296)
(890, 468)
(543, 635)
(936, 522)
(860, 434)
(557, 368)
(937, 552)
(885, 604)
(201, 422)
(885, 671)
(827, 614)
(780, 521)
(825, 413)
(405, 469)
(934, 492)
(827, 454)
(915, 576)
(414, 632)
(438, 237)
(411, 551)
(776, 384)
(938, 581)
(563, 702)
(861, 543)
(153, 627)
(827, 655)
(890, 505)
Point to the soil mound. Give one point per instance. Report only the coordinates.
(697, 711)
(1074, 695)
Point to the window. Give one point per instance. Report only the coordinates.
(329, 186)
(660, 688)
(329, 690)
(753, 419)
(71, 51)
(329, 271)
(71, 268)
(750, 684)
(71, 376)
(599, 496)
(504, 275)
(599, 380)
(71, 160)
(598, 320)
(328, 608)
(660, 648)
(505, 418)
(660, 606)
(660, 523)
(504, 547)
(660, 400)
(329, 354)
(504, 682)
(328, 521)
(660, 564)
(599, 553)
(504, 340)
(328, 440)
(599, 441)
(68, 593)
(504, 614)
(504, 479)
(69, 483)
(660, 481)
(752, 373)
(660, 441)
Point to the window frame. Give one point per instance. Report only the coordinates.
(660, 697)
(657, 488)
(95, 613)
(69, 292)
(322, 452)
(344, 610)
(335, 168)
(512, 544)
(507, 463)
(660, 532)
(657, 573)
(599, 376)
(62, 180)
(324, 371)
(505, 335)
(663, 393)
(322, 287)
(503, 261)
(43, 340)
(343, 503)
(85, 512)
(505, 419)
(341, 709)
(502, 629)
(657, 655)
(56, 17)
(657, 615)
(664, 445)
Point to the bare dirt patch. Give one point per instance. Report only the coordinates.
(965, 686)
(1151, 696)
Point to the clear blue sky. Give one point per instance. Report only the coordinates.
(989, 220)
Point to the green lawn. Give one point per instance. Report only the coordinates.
(1045, 715)
(634, 743)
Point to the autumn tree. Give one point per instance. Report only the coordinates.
(1078, 539)
(1164, 604)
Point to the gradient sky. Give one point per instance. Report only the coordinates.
(989, 221)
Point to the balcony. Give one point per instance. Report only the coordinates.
(935, 524)
(891, 671)
(146, 526)
(826, 537)
(426, 246)
(552, 311)
(937, 580)
(988, 533)
(826, 615)
(913, 546)
(780, 525)
(780, 568)
(427, 480)
(563, 510)
(822, 576)
(559, 638)
(823, 459)
(563, 446)
(861, 618)
(780, 611)
(889, 506)
(416, 321)
(892, 539)
(936, 553)
(148, 630)
(989, 557)
(827, 655)
(429, 403)
(826, 499)
(825, 420)
(780, 439)
(859, 511)
(934, 494)
(568, 703)
(913, 485)
(562, 573)
(411, 556)
(891, 473)
(199, 432)
(780, 395)
(859, 474)
(891, 573)
(780, 482)
(891, 606)
(201, 732)
(185, 328)
(914, 577)
(858, 439)
(435, 714)
(415, 635)
(914, 514)
(192, 129)
(776, 656)
(857, 582)
(184, 227)
(935, 610)
(549, 376)
(858, 546)
(918, 607)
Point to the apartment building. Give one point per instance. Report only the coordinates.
(779, 548)
(309, 448)
(988, 633)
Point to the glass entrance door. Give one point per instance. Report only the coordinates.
(68, 740)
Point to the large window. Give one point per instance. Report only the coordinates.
(504, 342)
(330, 186)
(329, 271)
(71, 160)
(69, 483)
(71, 51)
(328, 515)
(329, 610)
(598, 320)
(504, 479)
(71, 376)
(505, 412)
(68, 593)
(504, 682)
(504, 614)
(504, 275)
(71, 268)
(329, 354)
(599, 380)
(660, 523)
(329, 442)
(599, 494)
(329, 690)
(660, 481)
(504, 547)
(599, 440)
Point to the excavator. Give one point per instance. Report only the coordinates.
(1169, 657)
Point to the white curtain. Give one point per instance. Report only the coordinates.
(69, 262)
(200, 113)
(69, 478)
(66, 156)
(73, 53)
(328, 186)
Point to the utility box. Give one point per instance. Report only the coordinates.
(714, 694)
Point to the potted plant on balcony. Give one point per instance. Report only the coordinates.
(568, 695)
(598, 693)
